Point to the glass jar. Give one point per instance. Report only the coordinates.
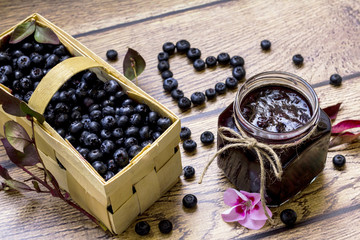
(301, 163)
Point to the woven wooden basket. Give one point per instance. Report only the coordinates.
(151, 173)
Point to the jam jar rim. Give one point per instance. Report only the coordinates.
(281, 75)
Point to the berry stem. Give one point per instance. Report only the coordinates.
(133, 63)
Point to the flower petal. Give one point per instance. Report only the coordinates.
(234, 214)
(258, 213)
(233, 197)
(254, 197)
(345, 125)
(252, 224)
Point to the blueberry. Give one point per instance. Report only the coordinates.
(23, 62)
(4, 79)
(88, 102)
(185, 133)
(288, 217)
(145, 143)
(156, 135)
(107, 102)
(231, 83)
(105, 134)
(5, 58)
(169, 48)
(176, 94)
(237, 61)
(108, 110)
(39, 47)
(36, 74)
(37, 60)
(298, 59)
(170, 84)
(189, 201)
(27, 47)
(163, 66)
(199, 64)
(89, 77)
(111, 55)
(122, 121)
(61, 132)
(95, 155)
(17, 74)
(6, 70)
(339, 160)
(153, 117)
(223, 58)
(211, 61)
(111, 165)
(142, 228)
(184, 103)
(94, 127)
(128, 102)
(125, 111)
(193, 54)
(15, 85)
(220, 88)
(163, 56)
(135, 119)
(182, 46)
(141, 109)
(189, 171)
(84, 152)
(335, 79)
(207, 137)
(120, 96)
(92, 140)
(238, 72)
(189, 145)
(95, 115)
(14, 54)
(134, 150)
(198, 98)
(108, 122)
(165, 226)
(76, 127)
(132, 131)
(166, 74)
(107, 146)
(145, 132)
(121, 157)
(108, 175)
(51, 61)
(164, 123)
(210, 93)
(99, 166)
(117, 133)
(60, 51)
(27, 96)
(62, 58)
(61, 119)
(265, 45)
(111, 86)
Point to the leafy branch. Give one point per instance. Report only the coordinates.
(133, 64)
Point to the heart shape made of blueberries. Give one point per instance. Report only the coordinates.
(170, 84)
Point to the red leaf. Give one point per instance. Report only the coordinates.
(345, 125)
(4, 173)
(332, 111)
(28, 158)
(343, 138)
(16, 135)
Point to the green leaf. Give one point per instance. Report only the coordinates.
(45, 35)
(20, 186)
(15, 107)
(22, 31)
(133, 64)
(28, 158)
(4, 173)
(36, 186)
(16, 135)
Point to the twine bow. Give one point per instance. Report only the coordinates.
(263, 151)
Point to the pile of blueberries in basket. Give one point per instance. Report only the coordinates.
(98, 118)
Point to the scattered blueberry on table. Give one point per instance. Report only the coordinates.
(189, 172)
(339, 160)
(165, 226)
(298, 60)
(142, 228)
(112, 55)
(265, 45)
(189, 201)
(185, 133)
(288, 217)
(189, 145)
(335, 79)
(207, 137)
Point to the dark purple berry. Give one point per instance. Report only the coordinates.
(238, 72)
(105, 134)
(108, 175)
(107, 146)
(265, 45)
(211, 61)
(142, 228)
(156, 135)
(223, 58)
(145, 132)
(122, 121)
(198, 98)
(339, 160)
(335, 79)
(134, 150)
(176, 94)
(184, 103)
(111, 55)
(189, 145)
(199, 64)
(170, 84)
(25, 83)
(185, 133)
(193, 54)
(36, 74)
(117, 133)
(125, 111)
(182, 46)
(237, 61)
(164, 123)
(108, 122)
(207, 137)
(94, 127)
(76, 127)
(128, 102)
(288, 217)
(121, 158)
(163, 66)
(99, 166)
(111, 165)
(153, 117)
(165, 226)
(51, 61)
(92, 140)
(210, 93)
(298, 59)
(60, 51)
(189, 201)
(111, 87)
(169, 48)
(95, 115)
(220, 88)
(189, 171)
(163, 56)
(6, 70)
(141, 109)
(23, 62)
(95, 155)
(166, 74)
(231, 83)
(132, 131)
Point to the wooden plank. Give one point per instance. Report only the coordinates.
(325, 33)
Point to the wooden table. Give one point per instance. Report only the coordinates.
(326, 33)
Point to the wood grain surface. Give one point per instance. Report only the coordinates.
(326, 33)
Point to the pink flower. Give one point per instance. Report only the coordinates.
(245, 208)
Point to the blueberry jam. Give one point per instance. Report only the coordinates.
(276, 109)
(300, 119)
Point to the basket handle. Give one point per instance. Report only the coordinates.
(55, 78)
